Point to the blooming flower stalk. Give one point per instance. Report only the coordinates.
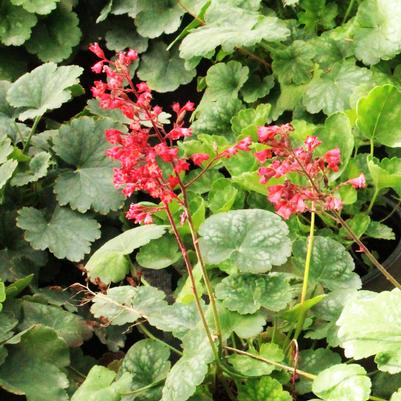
(305, 175)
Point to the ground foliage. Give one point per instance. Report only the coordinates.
(330, 67)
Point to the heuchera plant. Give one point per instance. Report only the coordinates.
(249, 352)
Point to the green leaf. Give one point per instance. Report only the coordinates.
(159, 253)
(396, 396)
(2, 296)
(337, 133)
(158, 17)
(6, 171)
(247, 293)
(69, 326)
(264, 389)
(317, 14)
(385, 173)
(253, 240)
(294, 63)
(65, 233)
(37, 169)
(248, 366)
(89, 184)
(164, 71)
(45, 88)
(34, 366)
(111, 262)
(124, 35)
(224, 80)
(255, 88)
(327, 313)
(380, 231)
(15, 24)
(215, 117)
(121, 305)
(331, 264)
(376, 30)
(98, 386)
(379, 115)
(222, 196)
(230, 26)
(41, 7)
(247, 121)
(18, 286)
(54, 38)
(365, 329)
(342, 382)
(314, 361)
(332, 91)
(146, 362)
(191, 369)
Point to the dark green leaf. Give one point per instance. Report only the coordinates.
(65, 233)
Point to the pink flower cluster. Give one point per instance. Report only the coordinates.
(289, 198)
(147, 150)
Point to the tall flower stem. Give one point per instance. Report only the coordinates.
(189, 268)
(337, 217)
(301, 318)
(202, 265)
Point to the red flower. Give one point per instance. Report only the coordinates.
(333, 159)
(358, 182)
(199, 158)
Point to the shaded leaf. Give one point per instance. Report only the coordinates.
(37, 169)
(41, 7)
(157, 17)
(34, 366)
(15, 24)
(54, 38)
(89, 183)
(65, 233)
(70, 327)
(164, 71)
(124, 35)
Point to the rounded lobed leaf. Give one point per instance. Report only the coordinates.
(247, 293)
(54, 38)
(110, 262)
(379, 115)
(89, 184)
(65, 233)
(45, 88)
(164, 71)
(342, 383)
(253, 240)
(331, 265)
(370, 325)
